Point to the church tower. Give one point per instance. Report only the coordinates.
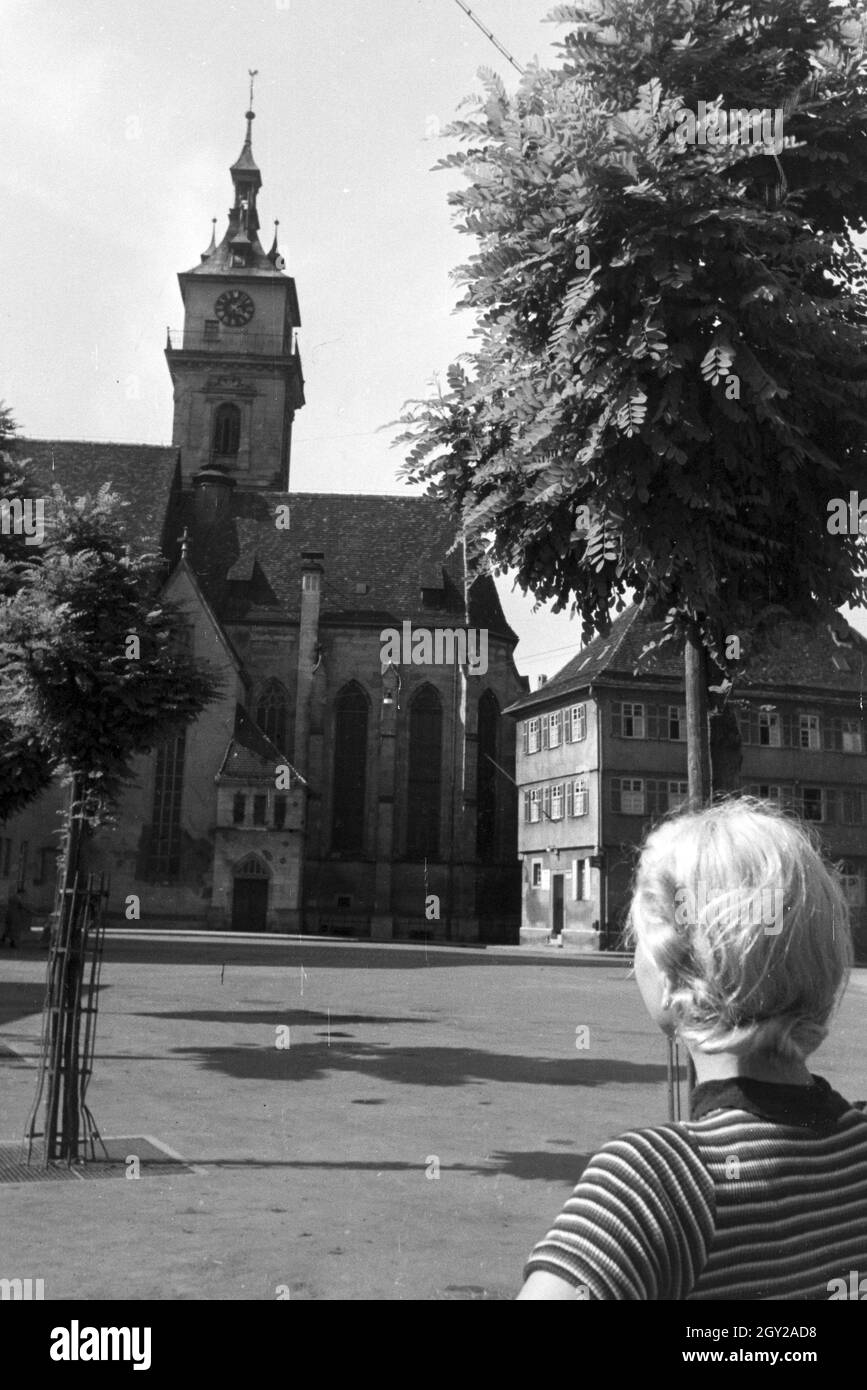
(235, 365)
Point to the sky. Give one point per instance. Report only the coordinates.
(119, 123)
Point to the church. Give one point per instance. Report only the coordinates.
(330, 788)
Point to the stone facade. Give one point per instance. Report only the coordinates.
(325, 789)
(587, 799)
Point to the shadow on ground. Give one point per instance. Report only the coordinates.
(276, 1017)
(417, 1066)
(527, 1165)
(314, 955)
(18, 999)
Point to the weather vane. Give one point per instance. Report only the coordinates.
(253, 72)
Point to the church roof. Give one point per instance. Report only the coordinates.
(250, 755)
(144, 475)
(378, 554)
(789, 654)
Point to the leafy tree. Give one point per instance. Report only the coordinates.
(24, 770)
(95, 664)
(668, 385)
(95, 669)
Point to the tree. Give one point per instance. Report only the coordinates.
(95, 670)
(669, 383)
(24, 770)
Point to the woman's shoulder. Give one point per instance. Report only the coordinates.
(659, 1154)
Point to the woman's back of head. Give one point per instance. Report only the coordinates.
(736, 907)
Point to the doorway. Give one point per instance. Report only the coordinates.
(556, 904)
(250, 896)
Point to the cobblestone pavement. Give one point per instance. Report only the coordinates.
(382, 1122)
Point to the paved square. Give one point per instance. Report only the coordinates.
(319, 1154)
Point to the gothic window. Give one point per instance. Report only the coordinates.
(165, 845)
(271, 712)
(350, 770)
(251, 867)
(227, 430)
(486, 775)
(425, 774)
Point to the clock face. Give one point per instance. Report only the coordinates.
(234, 308)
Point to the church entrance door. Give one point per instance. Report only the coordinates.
(250, 897)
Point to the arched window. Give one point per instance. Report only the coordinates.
(227, 430)
(425, 774)
(165, 839)
(350, 770)
(271, 710)
(250, 867)
(486, 778)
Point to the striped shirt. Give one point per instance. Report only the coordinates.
(761, 1194)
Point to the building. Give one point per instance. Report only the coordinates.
(326, 789)
(601, 752)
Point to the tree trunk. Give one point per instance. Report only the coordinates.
(697, 747)
(65, 997)
(697, 726)
(726, 752)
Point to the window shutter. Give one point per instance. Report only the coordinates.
(567, 726)
(546, 801)
(544, 722)
(526, 806)
(526, 735)
(569, 798)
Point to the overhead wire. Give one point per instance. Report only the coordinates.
(488, 35)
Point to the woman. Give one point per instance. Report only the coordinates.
(742, 948)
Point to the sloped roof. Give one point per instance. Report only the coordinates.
(250, 755)
(378, 553)
(219, 261)
(616, 653)
(144, 475)
(791, 654)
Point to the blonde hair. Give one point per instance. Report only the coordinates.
(739, 981)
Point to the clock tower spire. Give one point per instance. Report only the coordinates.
(235, 364)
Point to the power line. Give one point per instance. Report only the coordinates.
(488, 35)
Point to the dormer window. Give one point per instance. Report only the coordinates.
(227, 431)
